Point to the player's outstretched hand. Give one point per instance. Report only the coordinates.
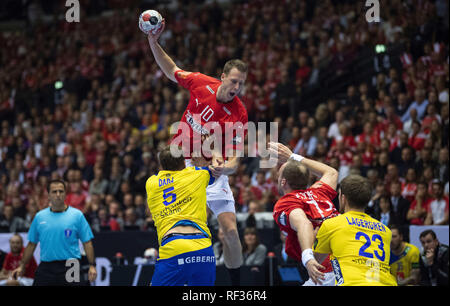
(153, 37)
(280, 150)
(314, 268)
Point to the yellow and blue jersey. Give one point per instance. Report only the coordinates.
(401, 265)
(179, 198)
(360, 249)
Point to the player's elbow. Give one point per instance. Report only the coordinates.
(332, 176)
(171, 76)
(299, 222)
(170, 73)
(333, 173)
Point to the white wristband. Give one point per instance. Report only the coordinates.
(307, 255)
(296, 157)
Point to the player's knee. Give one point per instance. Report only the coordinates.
(227, 220)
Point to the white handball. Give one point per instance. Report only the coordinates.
(150, 21)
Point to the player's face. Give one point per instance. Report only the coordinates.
(396, 239)
(232, 84)
(280, 180)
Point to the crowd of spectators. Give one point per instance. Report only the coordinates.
(87, 103)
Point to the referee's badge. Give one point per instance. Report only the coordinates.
(67, 233)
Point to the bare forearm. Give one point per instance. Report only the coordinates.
(304, 228)
(443, 222)
(305, 235)
(326, 173)
(89, 249)
(27, 254)
(428, 219)
(414, 278)
(165, 63)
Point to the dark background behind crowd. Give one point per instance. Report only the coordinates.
(86, 102)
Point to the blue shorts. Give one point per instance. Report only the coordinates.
(196, 268)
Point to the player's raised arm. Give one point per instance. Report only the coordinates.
(328, 175)
(165, 63)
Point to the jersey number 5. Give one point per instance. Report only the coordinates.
(375, 237)
(168, 194)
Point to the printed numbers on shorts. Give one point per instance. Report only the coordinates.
(168, 194)
(375, 238)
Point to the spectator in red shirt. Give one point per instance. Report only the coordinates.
(76, 197)
(295, 137)
(342, 152)
(437, 213)
(12, 261)
(393, 136)
(116, 214)
(417, 137)
(303, 71)
(431, 116)
(346, 136)
(369, 135)
(259, 186)
(391, 117)
(419, 206)
(409, 187)
(243, 185)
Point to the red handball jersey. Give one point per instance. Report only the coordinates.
(204, 113)
(316, 203)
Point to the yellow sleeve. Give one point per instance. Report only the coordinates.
(415, 258)
(322, 243)
(150, 183)
(209, 178)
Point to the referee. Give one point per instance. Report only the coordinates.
(58, 229)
